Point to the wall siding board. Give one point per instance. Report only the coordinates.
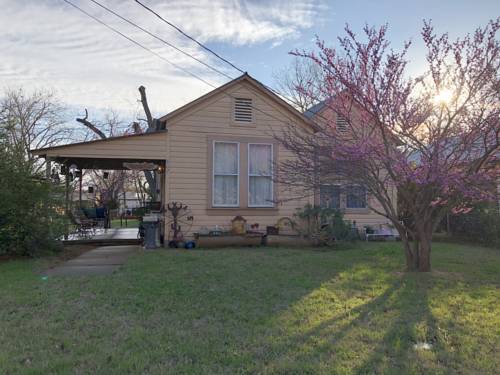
(188, 177)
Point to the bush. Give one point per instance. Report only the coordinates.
(481, 225)
(326, 225)
(31, 218)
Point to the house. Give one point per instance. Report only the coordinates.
(352, 199)
(216, 156)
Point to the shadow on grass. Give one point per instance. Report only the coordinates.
(226, 311)
(373, 337)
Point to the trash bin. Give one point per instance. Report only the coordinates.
(151, 232)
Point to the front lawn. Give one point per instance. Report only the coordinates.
(257, 311)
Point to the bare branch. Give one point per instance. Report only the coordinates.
(145, 105)
(91, 126)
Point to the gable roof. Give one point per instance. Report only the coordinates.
(256, 85)
(315, 109)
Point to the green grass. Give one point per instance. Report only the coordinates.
(257, 311)
(131, 223)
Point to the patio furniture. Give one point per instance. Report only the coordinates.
(84, 227)
(384, 233)
(98, 215)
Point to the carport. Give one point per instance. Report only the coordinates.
(145, 151)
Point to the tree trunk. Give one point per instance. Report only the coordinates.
(411, 256)
(418, 250)
(150, 176)
(424, 253)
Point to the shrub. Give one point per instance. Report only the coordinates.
(325, 225)
(481, 225)
(30, 209)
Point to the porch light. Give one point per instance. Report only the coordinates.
(105, 175)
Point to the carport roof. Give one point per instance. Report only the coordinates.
(110, 153)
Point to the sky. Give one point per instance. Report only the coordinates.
(47, 44)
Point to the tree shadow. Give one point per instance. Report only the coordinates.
(410, 344)
(374, 337)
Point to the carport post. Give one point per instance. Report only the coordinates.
(48, 168)
(66, 203)
(80, 186)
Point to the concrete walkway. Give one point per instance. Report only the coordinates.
(100, 261)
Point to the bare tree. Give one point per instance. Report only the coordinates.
(91, 126)
(298, 81)
(113, 126)
(140, 184)
(32, 120)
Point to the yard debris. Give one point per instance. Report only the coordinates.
(422, 346)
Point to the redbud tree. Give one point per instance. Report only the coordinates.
(433, 139)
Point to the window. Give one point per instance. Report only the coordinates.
(356, 197)
(341, 123)
(329, 196)
(260, 172)
(243, 110)
(225, 189)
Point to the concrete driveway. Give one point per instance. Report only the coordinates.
(100, 261)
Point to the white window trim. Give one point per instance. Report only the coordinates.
(271, 203)
(237, 175)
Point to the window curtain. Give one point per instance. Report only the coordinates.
(260, 189)
(329, 196)
(356, 197)
(225, 188)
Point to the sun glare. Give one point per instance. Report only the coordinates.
(443, 97)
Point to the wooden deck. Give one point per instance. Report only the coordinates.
(107, 237)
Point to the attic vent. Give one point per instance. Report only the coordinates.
(341, 124)
(242, 110)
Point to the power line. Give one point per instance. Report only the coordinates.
(276, 92)
(164, 59)
(161, 39)
(137, 43)
(189, 36)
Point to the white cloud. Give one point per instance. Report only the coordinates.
(47, 43)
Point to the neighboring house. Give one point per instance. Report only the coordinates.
(129, 199)
(88, 199)
(217, 155)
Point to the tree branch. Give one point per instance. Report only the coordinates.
(91, 126)
(145, 105)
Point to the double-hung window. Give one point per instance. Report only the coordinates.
(329, 196)
(356, 196)
(226, 171)
(260, 175)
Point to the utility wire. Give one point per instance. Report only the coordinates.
(161, 39)
(276, 92)
(137, 43)
(166, 60)
(189, 36)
